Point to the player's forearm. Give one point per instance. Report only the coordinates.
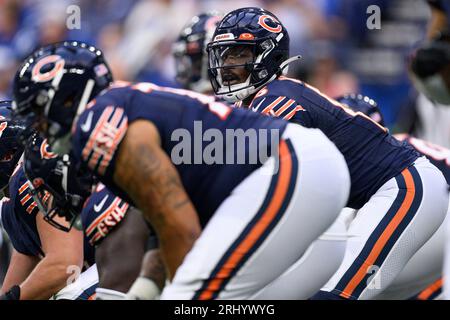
(49, 276)
(153, 183)
(175, 242)
(153, 267)
(19, 269)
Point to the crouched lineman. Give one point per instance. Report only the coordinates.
(218, 237)
(38, 269)
(421, 278)
(116, 231)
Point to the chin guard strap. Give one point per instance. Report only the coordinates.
(284, 64)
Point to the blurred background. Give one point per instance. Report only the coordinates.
(340, 54)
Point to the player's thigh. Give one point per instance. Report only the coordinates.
(313, 270)
(398, 219)
(424, 268)
(259, 231)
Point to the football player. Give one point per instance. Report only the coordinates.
(218, 237)
(189, 51)
(39, 268)
(425, 267)
(120, 236)
(429, 69)
(192, 72)
(400, 196)
(117, 265)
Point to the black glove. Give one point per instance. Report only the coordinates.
(12, 294)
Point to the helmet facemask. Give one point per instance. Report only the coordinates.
(57, 189)
(229, 58)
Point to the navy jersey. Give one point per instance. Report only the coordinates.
(19, 219)
(102, 212)
(439, 156)
(373, 156)
(180, 117)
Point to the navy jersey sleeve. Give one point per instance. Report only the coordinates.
(284, 107)
(102, 212)
(97, 135)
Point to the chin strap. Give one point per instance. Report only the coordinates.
(285, 63)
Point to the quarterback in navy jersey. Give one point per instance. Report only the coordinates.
(247, 58)
(169, 153)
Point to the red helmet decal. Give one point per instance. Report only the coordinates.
(262, 23)
(38, 76)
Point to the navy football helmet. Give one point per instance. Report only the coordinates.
(54, 84)
(252, 30)
(50, 174)
(11, 147)
(189, 51)
(429, 69)
(363, 104)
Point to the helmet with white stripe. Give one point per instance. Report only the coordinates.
(250, 39)
(54, 84)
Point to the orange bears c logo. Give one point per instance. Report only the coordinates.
(38, 76)
(45, 153)
(262, 23)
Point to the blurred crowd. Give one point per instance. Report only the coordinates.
(340, 53)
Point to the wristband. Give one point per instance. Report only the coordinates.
(143, 289)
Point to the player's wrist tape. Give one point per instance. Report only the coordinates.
(143, 289)
(108, 294)
(12, 294)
